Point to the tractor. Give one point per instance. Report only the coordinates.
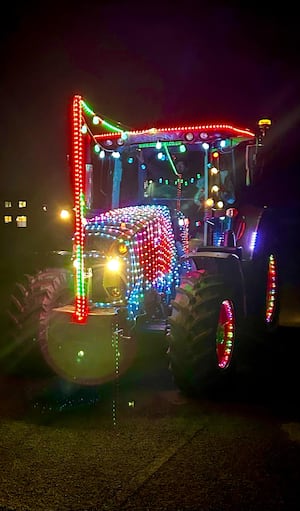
(167, 239)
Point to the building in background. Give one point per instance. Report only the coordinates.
(29, 225)
(15, 213)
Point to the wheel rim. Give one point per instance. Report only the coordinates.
(225, 334)
(271, 292)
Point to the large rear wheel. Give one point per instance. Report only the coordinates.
(30, 302)
(202, 333)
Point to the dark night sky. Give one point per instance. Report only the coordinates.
(155, 64)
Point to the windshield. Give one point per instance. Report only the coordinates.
(166, 178)
(174, 176)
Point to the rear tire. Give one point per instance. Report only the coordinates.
(30, 304)
(202, 334)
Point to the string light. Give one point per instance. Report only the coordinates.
(209, 202)
(78, 172)
(150, 258)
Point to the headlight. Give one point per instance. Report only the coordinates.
(114, 264)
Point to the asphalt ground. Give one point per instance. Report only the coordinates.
(138, 444)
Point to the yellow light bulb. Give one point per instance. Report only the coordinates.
(113, 264)
(209, 203)
(64, 214)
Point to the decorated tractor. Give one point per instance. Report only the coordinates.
(165, 240)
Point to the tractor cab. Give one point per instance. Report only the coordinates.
(197, 169)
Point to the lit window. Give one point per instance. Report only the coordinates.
(21, 221)
(7, 204)
(22, 203)
(7, 219)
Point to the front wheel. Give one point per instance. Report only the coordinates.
(202, 333)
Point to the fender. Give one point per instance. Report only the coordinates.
(227, 262)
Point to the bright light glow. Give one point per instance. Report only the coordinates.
(220, 204)
(205, 146)
(214, 171)
(263, 122)
(253, 240)
(215, 188)
(96, 119)
(158, 145)
(113, 264)
(102, 154)
(65, 214)
(209, 203)
(116, 154)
